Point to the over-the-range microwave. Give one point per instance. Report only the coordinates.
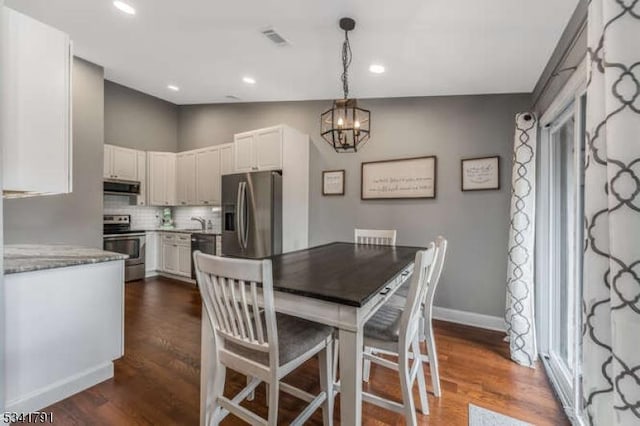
(121, 187)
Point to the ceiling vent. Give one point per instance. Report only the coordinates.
(232, 97)
(276, 38)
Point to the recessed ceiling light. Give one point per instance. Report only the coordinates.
(249, 80)
(376, 68)
(173, 87)
(124, 7)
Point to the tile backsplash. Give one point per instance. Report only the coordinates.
(182, 216)
(149, 217)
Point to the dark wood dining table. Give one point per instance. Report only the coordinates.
(338, 284)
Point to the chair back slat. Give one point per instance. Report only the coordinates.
(232, 290)
(213, 289)
(237, 304)
(209, 298)
(382, 237)
(422, 273)
(256, 312)
(233, 330)
(245, 311)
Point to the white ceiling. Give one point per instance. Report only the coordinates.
(429, 47)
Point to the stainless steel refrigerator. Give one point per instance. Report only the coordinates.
(252, 214)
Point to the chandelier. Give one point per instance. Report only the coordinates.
(345, 126)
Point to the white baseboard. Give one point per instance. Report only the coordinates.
(149, 274)
(60, 390)
(177, 277)
(469, 318)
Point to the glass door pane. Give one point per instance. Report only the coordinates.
(563, 293)
(562, 137)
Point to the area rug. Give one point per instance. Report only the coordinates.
(479, 416)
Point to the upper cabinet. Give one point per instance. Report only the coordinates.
(208, 176)
(190, 178)
(120, 163)
(226, 159)
(161, 182)
(36, 94)
(186, 179)
(199, 174)
(259, 150)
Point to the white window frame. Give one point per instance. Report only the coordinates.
(566, 103)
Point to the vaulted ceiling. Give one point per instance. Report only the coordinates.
(206, 47)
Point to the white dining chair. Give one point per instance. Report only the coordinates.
(385, 237)
(399, 299)
(397, 330)
(251, 338)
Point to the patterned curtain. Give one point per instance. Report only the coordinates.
(611, 284)
(519, 313)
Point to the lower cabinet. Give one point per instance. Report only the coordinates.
(152, 253)
(184, 260)
(176, 254)
(169, 257)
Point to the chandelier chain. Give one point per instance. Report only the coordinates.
(346, 61)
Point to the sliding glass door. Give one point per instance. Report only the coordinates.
(566, 245)
(559, 249)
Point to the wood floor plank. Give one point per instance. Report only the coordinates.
(157, 381)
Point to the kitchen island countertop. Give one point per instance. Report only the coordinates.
(34, 257)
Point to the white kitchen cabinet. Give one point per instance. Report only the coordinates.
(152, 253)
(208, 176)
(161, 182)
(186, 179)
(176, 254)
(125, 163)
(169, 254)
(268, 147)
(244, 154)
(64, 327)
(120, 163)
(259, 150)
(142, 177)
(36, 62)
(227, 165)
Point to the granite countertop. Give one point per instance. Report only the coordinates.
(186, 231)
(35, 257)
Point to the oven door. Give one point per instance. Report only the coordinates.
(132, 245)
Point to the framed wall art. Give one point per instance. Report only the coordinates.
(399, 179)
(480, 174)
(333, 182)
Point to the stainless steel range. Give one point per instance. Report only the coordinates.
(120, 238)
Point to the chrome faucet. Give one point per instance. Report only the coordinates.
(203, 223)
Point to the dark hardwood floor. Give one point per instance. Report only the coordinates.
(157, 380)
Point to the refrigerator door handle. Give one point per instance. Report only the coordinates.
(245, 219)
(239, 215)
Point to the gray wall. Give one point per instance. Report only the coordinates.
(136, 120)
(74, 218)
(450, 128)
